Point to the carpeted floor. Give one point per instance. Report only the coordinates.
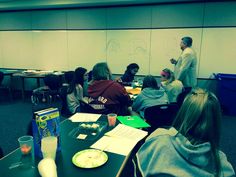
(15, 117)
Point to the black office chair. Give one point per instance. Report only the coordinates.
(3, 87)
(182, 95)
(64, 107)
(1, 153)
(53, 82)
(69, 75)
(160, 115)
(45, 97)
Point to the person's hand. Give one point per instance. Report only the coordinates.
(118, 79)
(173, 61)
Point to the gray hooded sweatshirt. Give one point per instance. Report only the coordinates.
(168, 152)
(149, 97)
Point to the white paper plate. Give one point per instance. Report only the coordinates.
(89, 158)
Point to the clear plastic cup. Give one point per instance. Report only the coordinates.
(111, 119)
(26, 144)
(27, 150)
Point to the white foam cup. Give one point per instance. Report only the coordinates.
(47, 168)
(49, 147)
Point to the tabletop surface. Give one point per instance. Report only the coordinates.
(65, 167)
(10, 71)
(36, 74)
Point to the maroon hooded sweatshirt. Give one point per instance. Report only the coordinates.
(107, 96)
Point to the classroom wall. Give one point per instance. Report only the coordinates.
(149, 35)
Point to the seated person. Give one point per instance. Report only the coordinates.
(191, 147)
(172, 87)
(107, 96)
(51, 82)
(129, 74)
(75, 90)
(50, 90)
(151, 95)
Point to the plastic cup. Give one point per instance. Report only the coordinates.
(49, 147)
(47, 168)
(27, 149)
(26, 145)
(111, 119)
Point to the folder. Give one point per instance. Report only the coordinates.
(133, 121)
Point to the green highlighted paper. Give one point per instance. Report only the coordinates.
(133, 121)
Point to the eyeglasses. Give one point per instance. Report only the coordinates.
(162, 75)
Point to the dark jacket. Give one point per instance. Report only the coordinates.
(127, 78)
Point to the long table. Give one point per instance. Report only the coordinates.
(65, 167)
(37, 76)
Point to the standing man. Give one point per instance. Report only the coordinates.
(186, 65)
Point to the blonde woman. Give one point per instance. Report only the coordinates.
(105, 95)
(172, 87)
(191, 147)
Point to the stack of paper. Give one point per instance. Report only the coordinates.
(84, 117)
(121, 140)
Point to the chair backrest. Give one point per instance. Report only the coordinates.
(53, 81)
(44, 99)
(63, 94)
(1, 153)
(69, 75)
(160, 115)
(1, 77)
(182, 95)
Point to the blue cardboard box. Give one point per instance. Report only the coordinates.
(45, 123)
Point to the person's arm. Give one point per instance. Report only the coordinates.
(122, 96)
(80, 94)
(137, 103)
(185, 65)
(118, 79)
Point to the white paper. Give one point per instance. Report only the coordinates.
(128, 88)
(120, 140)
(82, 136)
(84, 117)
(128, 132)
(116, 145)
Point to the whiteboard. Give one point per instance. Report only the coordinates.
(86, 48)
(151, 49)
(17, 49)
(50, 50)
(128, 46)
(165, 44)
(218, 51)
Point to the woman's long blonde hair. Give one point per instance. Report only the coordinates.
(199, 121)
